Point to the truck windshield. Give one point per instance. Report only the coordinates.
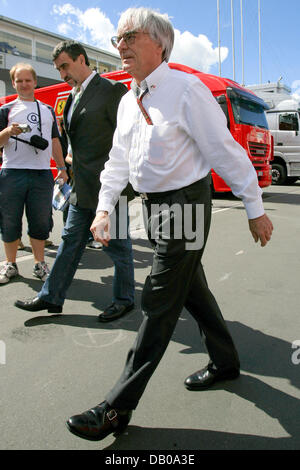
(247, 110)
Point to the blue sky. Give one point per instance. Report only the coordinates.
(195, 22)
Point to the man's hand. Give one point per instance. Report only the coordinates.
(59, 159)
(10, 131)
(62, 174)
(14, 129)
(100, 228)
(261, 229)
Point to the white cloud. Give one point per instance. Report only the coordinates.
(65, 9)
(196, 51)
(64, 28)
(93, 27)
(296, 84)
(296, 96)
(296, 88)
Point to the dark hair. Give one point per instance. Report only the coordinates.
(72, 48)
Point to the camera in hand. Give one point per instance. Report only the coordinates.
(25, 128)
(36, 140)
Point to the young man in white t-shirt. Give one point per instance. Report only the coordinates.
(25, 178)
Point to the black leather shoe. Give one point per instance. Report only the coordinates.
(115, 311)
(97, 423)
(37, 304)
(205, 378)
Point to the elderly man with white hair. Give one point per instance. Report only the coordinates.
(170, 133)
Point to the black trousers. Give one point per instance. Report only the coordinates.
(176, 280)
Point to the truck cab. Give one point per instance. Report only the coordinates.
(284, 124)
(246, 120)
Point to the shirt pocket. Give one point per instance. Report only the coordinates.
(159, 143)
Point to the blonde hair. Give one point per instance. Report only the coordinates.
(21, 65)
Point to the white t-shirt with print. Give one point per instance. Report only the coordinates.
(19, 155)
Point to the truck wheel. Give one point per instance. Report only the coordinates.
(278, 173)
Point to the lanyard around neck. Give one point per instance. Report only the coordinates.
(39, 126)
(144, 112)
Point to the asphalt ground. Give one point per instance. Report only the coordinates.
(52, 367)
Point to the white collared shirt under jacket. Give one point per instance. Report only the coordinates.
(189, 136)
(74, 92)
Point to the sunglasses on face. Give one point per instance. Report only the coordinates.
(128, 38)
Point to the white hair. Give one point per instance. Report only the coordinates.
(156, 24)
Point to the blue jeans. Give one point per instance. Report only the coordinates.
(74, 238)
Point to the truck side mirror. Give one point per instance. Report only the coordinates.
(221, 99)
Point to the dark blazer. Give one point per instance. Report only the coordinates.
(90, 133)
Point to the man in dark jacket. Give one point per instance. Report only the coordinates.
(90, 121)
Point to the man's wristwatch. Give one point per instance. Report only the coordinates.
(61, 168)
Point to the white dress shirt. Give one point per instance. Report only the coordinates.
(189, 136)
(82, 88)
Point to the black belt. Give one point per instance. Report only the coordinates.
(150, 196)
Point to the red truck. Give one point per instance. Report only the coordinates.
(244, 111)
